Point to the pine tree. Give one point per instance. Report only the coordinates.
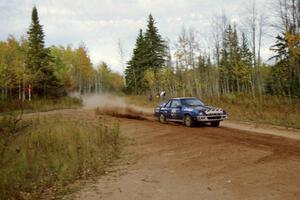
(226, 61)
(287, 48)
(136, 67)
(156, 49)
(44, 82)
(245, 64)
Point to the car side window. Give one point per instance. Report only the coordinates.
(175, 104)
(168, 104)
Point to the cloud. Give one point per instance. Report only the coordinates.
(101, 23)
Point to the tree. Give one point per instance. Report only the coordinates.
(109, 81)
(287, 47)
(38, 58)
(12, 69)
(150, 52)
(156, 50)
(122, 56)
(245, 66)
(137, 66)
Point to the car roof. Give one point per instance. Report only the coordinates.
(180, 98)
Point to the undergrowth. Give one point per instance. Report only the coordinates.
(44, 154)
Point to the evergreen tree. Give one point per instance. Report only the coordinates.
(136, 67)
(44, 82)
(287, 49)
(150, 53)
(226, 63)
(245, 65)
(245, 53)
(156, 49)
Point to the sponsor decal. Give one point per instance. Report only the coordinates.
(173, 112)
(214, 111)
(188, 109)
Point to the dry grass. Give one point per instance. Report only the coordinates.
(272, 110)
(41, 105)
(53, 152)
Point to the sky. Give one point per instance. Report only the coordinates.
(101, 24)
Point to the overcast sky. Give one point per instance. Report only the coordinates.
(101, 23)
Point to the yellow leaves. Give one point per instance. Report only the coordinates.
(149, 77)
(84, 62)
(293, 42)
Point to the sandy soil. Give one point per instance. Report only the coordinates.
(170, 161)
(264, 129)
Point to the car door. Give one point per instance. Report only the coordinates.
(166, 109)
(175, 110)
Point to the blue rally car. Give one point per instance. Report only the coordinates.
(189, 110)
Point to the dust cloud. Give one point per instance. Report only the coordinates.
(103, 100)
(109, 104)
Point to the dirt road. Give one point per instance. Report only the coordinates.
(170, 161)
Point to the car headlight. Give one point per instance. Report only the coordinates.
(201, 113)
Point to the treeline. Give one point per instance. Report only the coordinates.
(29, 69)
(230, 64)
(74, 68)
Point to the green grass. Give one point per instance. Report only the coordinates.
(53, 152)
(41, 105)
(273, 110)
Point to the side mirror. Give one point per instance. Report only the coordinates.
(179, 107)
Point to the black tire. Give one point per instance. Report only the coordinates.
(188, 121)
(162, 118)
(215, 124)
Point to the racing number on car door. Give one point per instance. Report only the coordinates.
(175, 109)
(173, 113)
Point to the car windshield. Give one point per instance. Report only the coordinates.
(192, 102)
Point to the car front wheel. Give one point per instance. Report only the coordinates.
(188, 121)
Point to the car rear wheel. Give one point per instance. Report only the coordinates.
(162, 118)
(188, 121)
(215, 124)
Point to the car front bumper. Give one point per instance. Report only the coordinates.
(211, 118)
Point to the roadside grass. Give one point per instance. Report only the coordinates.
(47, 153)
(41, 105)
(272, 110)
(280, 111)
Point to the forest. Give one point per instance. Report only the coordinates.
(232, 65)
(49, 72)
(50, 137)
